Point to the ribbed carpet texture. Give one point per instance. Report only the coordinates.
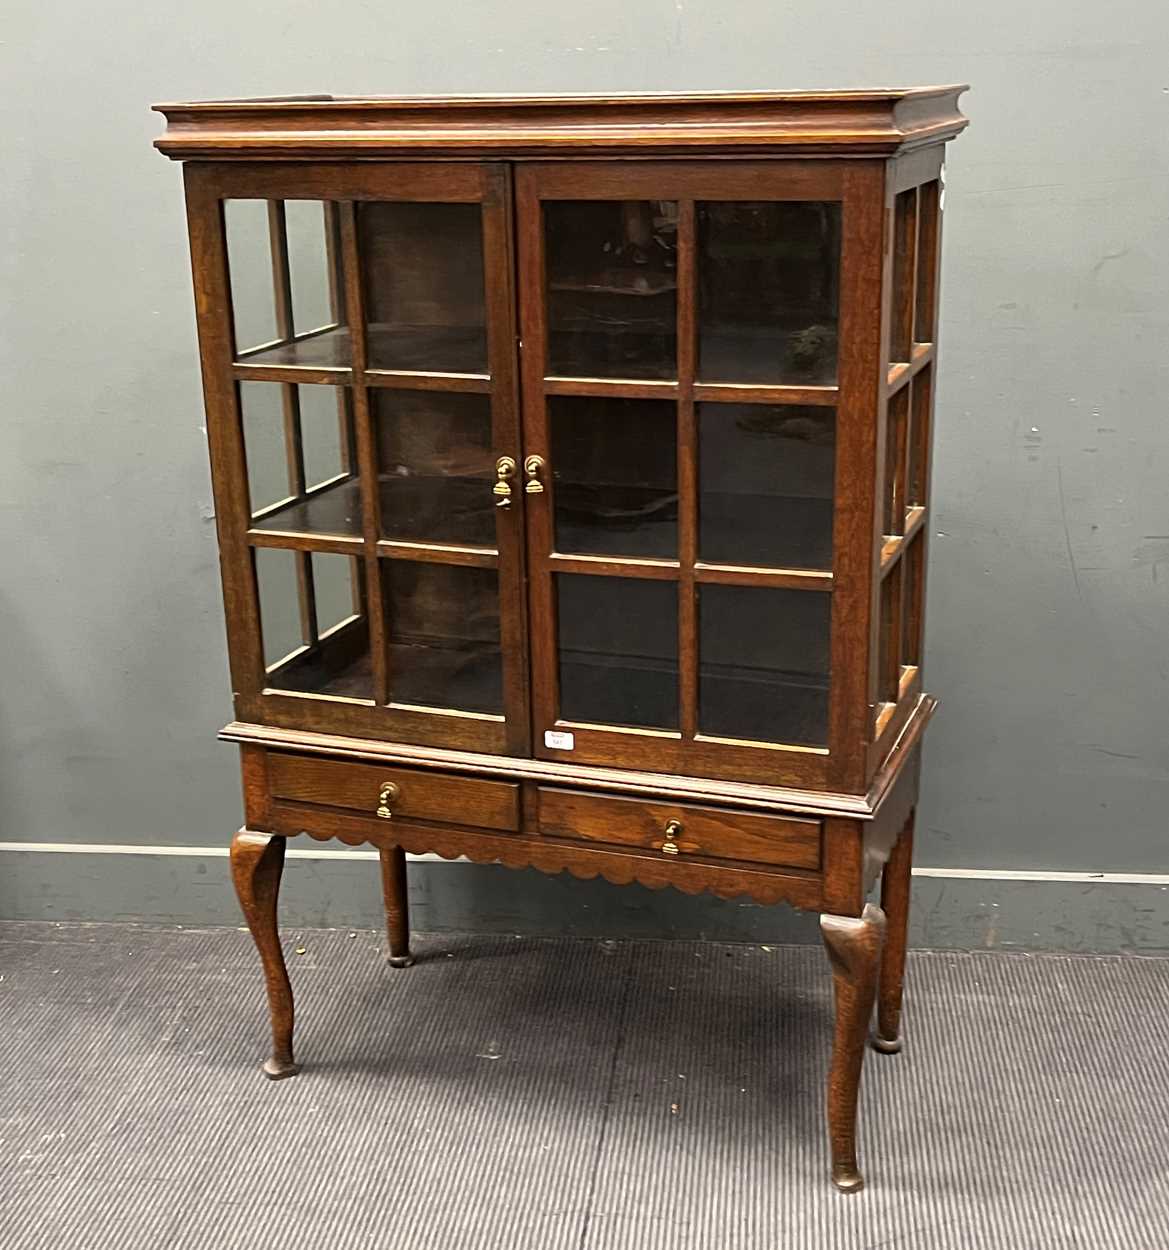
(566, 1095)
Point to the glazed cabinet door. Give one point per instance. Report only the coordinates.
(358, 341)
(695, 383)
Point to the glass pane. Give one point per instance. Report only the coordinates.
(919, 438)
(769, 287)
(904, 244)
(618, 639)
(302, 599)
(249, 262)
(765, 482)
(330, 504)
(310, 258)
(616, 477)
(612, 288)
(436, 466)
(928, 214)
(423, 271)
(914, 602)
(262, 414)
(889, 637)
(280, 619)
(324, 440)
(315, 297)
(763, 664)
(896, 432)
(443, 624)
(335, 582)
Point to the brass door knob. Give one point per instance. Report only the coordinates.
(386, 795)
(505, 470)
(673, 833)
(532, 468)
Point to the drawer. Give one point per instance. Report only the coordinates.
(718, 833)
(416, 794)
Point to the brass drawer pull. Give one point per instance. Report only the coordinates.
(673, 833)
(386, 795)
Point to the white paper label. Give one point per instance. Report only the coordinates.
(558, 740)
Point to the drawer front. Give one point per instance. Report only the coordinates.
(414, 794)
(782, 841)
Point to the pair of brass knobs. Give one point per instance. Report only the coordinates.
(505, 471)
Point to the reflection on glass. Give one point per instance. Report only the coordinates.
(423, 271)
(612, 288)
(928, 210)
(262, 416)
(769, 285)
(311, 251)
(436, 466)
(314, 640)
(912, 616)
(889, 637)
(336, 589)
(618, 640)
(763, 664)
(330, 503)
(765, 485)
(324, 440)
(249, 262)
(896, 423)
(443, 626)
(904, 245)
(299, 238)
(919, 438)
(616, 479)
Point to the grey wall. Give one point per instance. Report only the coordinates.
(1049, 578)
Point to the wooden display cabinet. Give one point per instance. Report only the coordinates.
(571, 467)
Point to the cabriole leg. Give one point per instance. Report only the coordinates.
(256, 863)
(854, 950)
(895, 885)
(397, 906)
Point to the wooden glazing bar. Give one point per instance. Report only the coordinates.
(367, 469)
(610, 388)
(687, 448)
(744, 575)
(734, 393)
(895, 544)
(903, 371)
(404, 379)
(604, 566)
(440, 553)
(289, 336)
(302, 375)
(296, 540)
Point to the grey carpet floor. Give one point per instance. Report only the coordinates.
(518, 1093)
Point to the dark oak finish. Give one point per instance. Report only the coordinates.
(854, 951)
(397, 906)
(608, 555)
(709, 832)
(257, 860)
(895, 883)
(415, 795)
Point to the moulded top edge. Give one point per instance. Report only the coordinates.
(535, 99)
(868, 123)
